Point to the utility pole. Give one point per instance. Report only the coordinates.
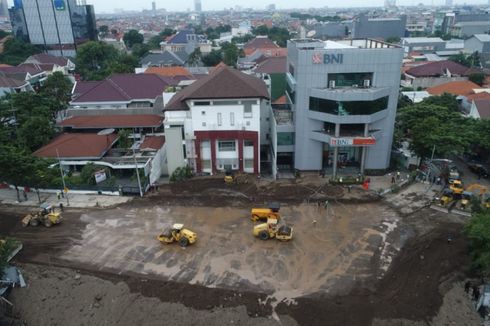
(63, 179)
(137, 172)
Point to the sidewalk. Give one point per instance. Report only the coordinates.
(9, 197)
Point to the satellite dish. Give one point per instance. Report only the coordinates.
(106, 132)
(310, 34)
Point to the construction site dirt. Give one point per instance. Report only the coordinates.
(353, 261)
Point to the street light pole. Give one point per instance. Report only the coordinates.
(137, 172)
(63, 178)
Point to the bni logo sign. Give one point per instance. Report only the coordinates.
(59, 4)
(327, 58)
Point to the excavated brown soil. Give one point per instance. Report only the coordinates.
(409, 290)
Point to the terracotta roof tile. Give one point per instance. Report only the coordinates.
(152, 143)
(168, 71)
(281, 100)
(464, 88)
(113, 121)
(438, 68)
(478, 96)
(273, 65)
(126, 87)
(223, 82)
(76, 145)
(483, 107)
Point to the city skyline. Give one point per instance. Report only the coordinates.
(110, 6)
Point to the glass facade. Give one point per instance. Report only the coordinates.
(58, 25)
(348, 107)
(351, 79)
(285, 138)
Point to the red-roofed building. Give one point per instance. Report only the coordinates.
(224, 118)
(80, 146)
(152, 143)
(121, 91)
(458, 88)
(480, 109)
(434, 73)
(60, 64)
(150, 122)
(264, 45)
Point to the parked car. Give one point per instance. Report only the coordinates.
(478, 169)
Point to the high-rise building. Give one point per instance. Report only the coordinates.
(390, 3)
(449, 3)
(197, 5)
(58, 25)
(4, 8)
(154, 6)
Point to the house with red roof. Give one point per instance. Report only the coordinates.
(223, 120)
(61, 64)
(121, 91)
(434, 73)
(264, 45)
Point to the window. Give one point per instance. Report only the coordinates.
(226, 146)
(285, 138)
(220, 119)
(291, 69)
(225, 102)
(203, 112)
(204, 124)
(248, 123)
(248, 143)
(206, 164)
(247, 110)
(248, 164)
(351, 79)
(201, 103)
(348, 108)
(232, 118)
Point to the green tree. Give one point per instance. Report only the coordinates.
(16, 166)
(140, 50)
(230, 53)
(97, 60)
(103, 30)
(124, 141)
(17, 51)
(446, 100)
(35, 132)
(393, 39)
(477, 78)
(242, 39)
(213, 58)
(195, 57)
(58, 88)
(478, 233)
(4, 33)
(167, 32)
(132, 37)
(154, 42)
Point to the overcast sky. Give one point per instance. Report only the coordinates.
(183, 5)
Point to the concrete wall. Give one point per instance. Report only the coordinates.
(174, 148)
(364, 27)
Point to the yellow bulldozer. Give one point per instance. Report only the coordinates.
(264, 214)
(457, 187)
(447, 197)
(466, 199)
(46, 216)
(178, 234)
(270, 229)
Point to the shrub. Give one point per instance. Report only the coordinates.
(181, 174)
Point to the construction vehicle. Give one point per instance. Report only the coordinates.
(486, 202)
(229, 177)
(178, 234)
(457, 187)
(447, 197)
(466, 199)
(263, 214)
(270, 229)
(46, 216)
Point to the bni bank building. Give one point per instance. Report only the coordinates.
(343, 96)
